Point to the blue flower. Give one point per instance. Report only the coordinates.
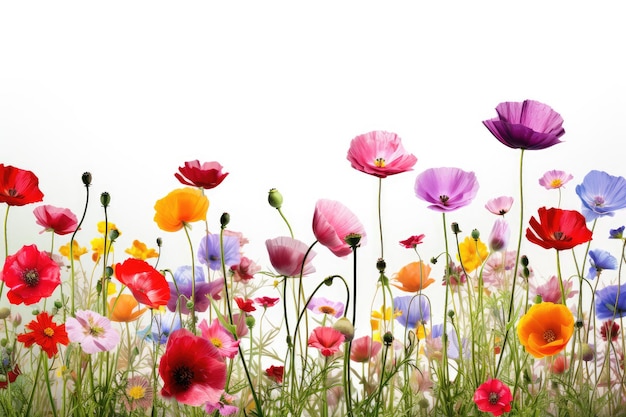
(162, 326)
(414, 310)
(453, 341)
(617, 233)
(601, 194)
(611, 302)
(209, 252)
(600, 260)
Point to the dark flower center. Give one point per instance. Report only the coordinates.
(214, 258)
(549, 336)
(493, 398)
(31, 277)
(12, 192)
(183, 377)
(444, 199)
(559, 236)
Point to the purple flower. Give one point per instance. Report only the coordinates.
(180, 290)
(414, 309)
(611, 302)
(601, 194)
(163, 325)
(325, 306)
(617, 233)
(447, 189)
(526, 125)
(499, 236)
(209, 252)
(600, 260)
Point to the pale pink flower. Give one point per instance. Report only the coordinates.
(364, 348)
(55, 219)
(555, 179)
(223, 340)
(333, 223)
(499, 205)
(327, 340)
(225, 406)
(380, 153)
(287, 256)
(92, 331)
(420, 380)
(551, 290)
(498, 269)
(499, 236)
(138, 393)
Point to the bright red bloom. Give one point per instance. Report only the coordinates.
(558, 229)
(266, 301)
(18, 187)
(327, 339)
(206, 175)
(275, 373)
(380, 153)
(147, 284)
(31, 274)
(11, 377)
(192, 369)
(609, 330)
(45, 333)
(334, 225)
(245, 305)
(412, 241)
(493, 397)
(55, 219)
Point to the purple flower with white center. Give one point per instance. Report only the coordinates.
(181, 288)
(209, 252)
(601, 194)
(447, 189)
(92, 331)
(600, 260)
(526, 125)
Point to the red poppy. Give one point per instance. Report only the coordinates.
(493, 397)
(275, 373)
(412, 241)
(558, 229)
(327, 339)
(206, 175)
(245, 305)
(31, 275)
(609, 330)
(11, 376)
(55, 219)
(192, 369)
(45, 333)
(147, 284)
(18, 186)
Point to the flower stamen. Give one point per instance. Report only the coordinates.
(549, 336)
(183, 376)
(48, 331)
(493, 398)
(31, 277)
(379, 162)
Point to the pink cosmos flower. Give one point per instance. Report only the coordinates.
(499, 205)
(92, 331)
(493, 397)
(554, 179)
(223, 340)
(287, 256)
(551, 290)
(333, 223)
(412, 241)
(364, 348)
(327, 340)
(498, 269)
(380, 153)
(266, 302)
(446, 189)
(55, 219)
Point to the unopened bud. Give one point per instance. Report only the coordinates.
(105, 199)
(275, 198)
(524, 260)
(250, 322)
(538, 299)
(345, 327)
(381, 265)
(159, 242)
(475, 234)
(86, 179)
(58, 304)
(224, 220)
(114, 234)
(587, 352)
(455, 228)
(5, 312)
(388, 338)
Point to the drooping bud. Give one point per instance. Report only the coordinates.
(345, 327)
(275, 198)
(455, 228)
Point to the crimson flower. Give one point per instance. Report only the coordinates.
(245, 305)
(558, 229)
(31, 274)
(266, 301)
(526, 125)
(55, 219)
(11, 376)
(412, 241)
(18, 187)
(275, 373)
(192, 369)
(206, 175)
(327, 339)
(380, 153)
(493, 397)
(147, 284)
(334, 225)
(609, 331)
(46, 333)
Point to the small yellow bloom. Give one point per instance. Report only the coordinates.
(97, 246)
(111, 288)
(111, 226)
(78, 251)
(472, 253)
(140, 250)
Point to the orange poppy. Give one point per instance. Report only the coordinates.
(179, 207)
(545, 329)
(413, 277)
(124, 308)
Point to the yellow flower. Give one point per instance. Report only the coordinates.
(97, 246)
(180, 207)
(545, 329)
(473, 253)
(111, 226)
(78, 251)
(139, 250)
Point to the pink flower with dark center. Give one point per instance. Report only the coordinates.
(327, 340)
(223, 340)
(380, 153)
(334, 225)
(266, 302)
(287, 256)
(55, 219)
(499, 205)
(493, 397)
(555, 179)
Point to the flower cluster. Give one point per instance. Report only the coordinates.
(467, 330)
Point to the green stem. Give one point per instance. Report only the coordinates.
(6, 243)
(192, 313)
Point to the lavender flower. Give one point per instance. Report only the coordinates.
(415, 310)
(600, 260)
(180, 290)
(601, 194)
(447, 189)
(209, 252)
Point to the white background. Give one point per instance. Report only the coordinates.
(275, 91)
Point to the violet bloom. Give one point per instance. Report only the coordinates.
(611, 302)
(287, 256)
(180, 290)
(92, 331)
(333, 223)
(499, 236)
(601, 194)
(600, 260)
(499, 205)
(380, 153)
(209, 252)
(434, 343)
(325, 306)
(526, 125)
(414, 309)
(447, 189)
(617, 233)
(555, 179)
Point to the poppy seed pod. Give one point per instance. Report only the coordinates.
(86, 178)
(105, 199)
(275, 198)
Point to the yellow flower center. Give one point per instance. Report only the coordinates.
(48, 331)
(549, 336)
(556, 183)
(136, 392)
(216, 342)
(379, 162)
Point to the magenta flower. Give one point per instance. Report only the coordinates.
(526, 125)
(554, 179)
(287, 256)
(333, 223)
(447, 189)
(380, 153)
(55, 219)
(327, 339)
(412, 241)
(92, 331)
(499, 205)
(223, 340)
(499, 236)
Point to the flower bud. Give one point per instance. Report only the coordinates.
(475, 234)
(345, 327)
(114, 234)
(451, 314)
(5, 312)
(499, 236)
(159, 242)
(455, 228)
(329, 281)
(524, 260)
(388, 338)
(3, 342)
(579, 324)
(250, 321)
(105, 199)
(16, 319)
(275, 198)
(58, 304)
(189, 305)
(108, 272)
(86, 178)
(587, 352)
(224, 220)
(433, 260)
(538, 299)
